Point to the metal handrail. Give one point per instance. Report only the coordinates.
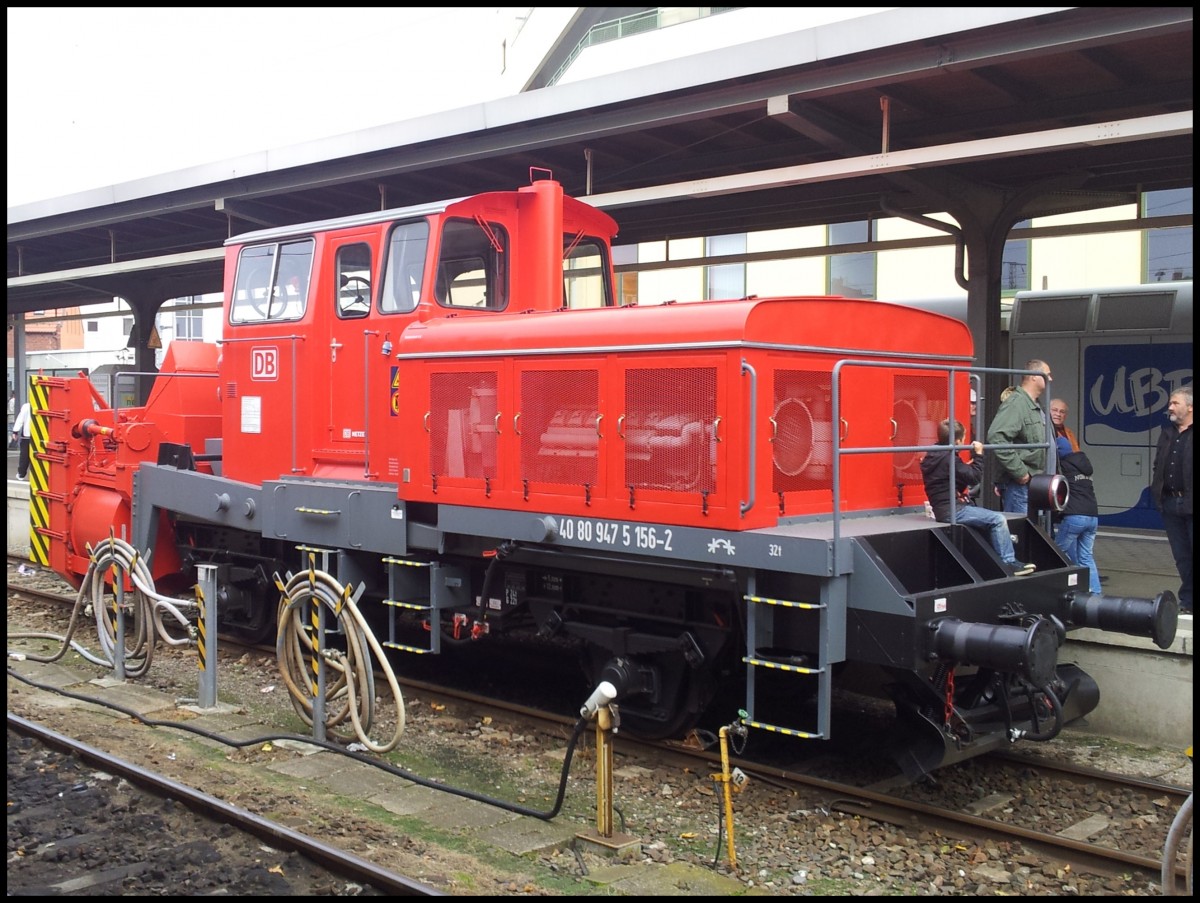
(949, 370)
(745, 506)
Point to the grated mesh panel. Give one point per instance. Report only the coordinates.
(801, 448)
(462, 425)
(559, 426)
(668, 427)
(919, 404)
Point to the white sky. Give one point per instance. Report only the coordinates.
(108, 95)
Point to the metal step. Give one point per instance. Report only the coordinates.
(765, 615)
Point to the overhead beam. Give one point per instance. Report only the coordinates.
(783, 110)
(1145, 128)
(226, 206)
(120, 268)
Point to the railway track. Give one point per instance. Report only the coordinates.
(929, 808)
(125, 823)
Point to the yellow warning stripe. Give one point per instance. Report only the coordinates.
(201, 629)
(765, 600)
(314, 615)
(39, 470)
(790, 732)
(779, 666)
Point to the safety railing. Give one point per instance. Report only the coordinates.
(973, 375)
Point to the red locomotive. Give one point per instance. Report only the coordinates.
(448, 403)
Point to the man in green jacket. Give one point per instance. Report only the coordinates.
(1021, 421)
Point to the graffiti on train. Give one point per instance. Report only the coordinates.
(1127, 388)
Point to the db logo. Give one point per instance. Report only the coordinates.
(264, 363)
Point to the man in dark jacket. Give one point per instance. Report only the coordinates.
(935, 471)
(1076, 533)
(1171, 487)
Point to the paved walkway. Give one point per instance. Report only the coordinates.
(1137, 565)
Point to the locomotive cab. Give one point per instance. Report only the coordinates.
(314, 307)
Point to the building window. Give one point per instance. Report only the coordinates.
(1168, 252)
(189, 324)
(627, 283)
(93, 325)
(726, 280)
(585, 282)
(1014, 265)
(127, 326)
(852, 275)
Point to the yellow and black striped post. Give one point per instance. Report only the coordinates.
(39, 477)
(118, 582)
(316, 614)
(206, 634)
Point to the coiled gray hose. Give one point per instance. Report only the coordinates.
(352, 691)
(110, 559)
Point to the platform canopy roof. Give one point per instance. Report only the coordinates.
(1058, 108)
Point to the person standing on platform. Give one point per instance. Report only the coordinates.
(20, 432)
(1058, 416)
(1058, 419)
(1076, 533)
(1171, 487)
(1021, 421)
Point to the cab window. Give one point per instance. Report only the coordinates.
(352, 281)
(404, 270)
(272, 282)
(473, 265)
(585, 271)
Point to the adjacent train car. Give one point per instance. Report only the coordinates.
(1117, 354)
(440, 418)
